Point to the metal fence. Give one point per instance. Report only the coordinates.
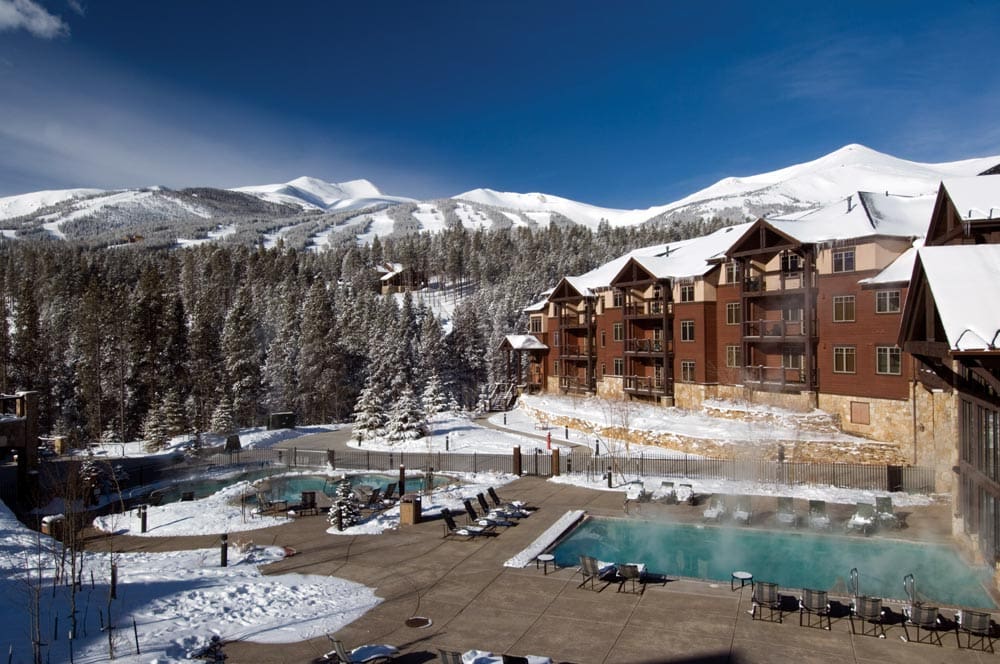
(915, 479)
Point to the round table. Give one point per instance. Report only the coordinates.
(741, 576)
(545, 559)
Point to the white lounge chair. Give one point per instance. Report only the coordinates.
(363, 654)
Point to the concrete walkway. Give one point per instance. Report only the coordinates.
(473, 601)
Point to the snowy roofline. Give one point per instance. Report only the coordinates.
(962, 278)
(975, 197)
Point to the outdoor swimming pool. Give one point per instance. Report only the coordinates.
(290, 487)
(790, 559)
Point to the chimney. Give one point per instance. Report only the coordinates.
(849, 206)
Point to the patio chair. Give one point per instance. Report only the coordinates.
(491, 519)
(818, 518)
(514, 505)
(716, 509)
(814, 603)
(374, 502)
(863, 519)
(868, 611)
(765, 596)
(785, 514)
(592, 573)
(666, 493)
(631, 574)
(499, 512)
(685, 494)
(742, 511)
(364, 654)
(923, 619)
(267, 506)
(389, 493)
(450, 656)
(468, 532)
(978, 629)
(885, 514)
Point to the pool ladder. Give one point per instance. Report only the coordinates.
(855, 585)
(910, 587)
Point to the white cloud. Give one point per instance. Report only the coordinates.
(29, 15)
(77, 6)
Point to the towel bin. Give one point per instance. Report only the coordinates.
(409, 509)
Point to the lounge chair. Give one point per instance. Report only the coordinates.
(666, 493)
(489, 519)
(469, 532)
(499, 512)
(267, 506)
(818, 519)
(863, 519)
(765, 596)
(923, 618)
(389, 493)
(868, 611)
(785, 514)
(743, 512)
(885, 514)
(512, 506)
(450, 657)
(374, 502)
(975, 625)
(593, 572)
(716, 509)
(364, 654)
(685, 494)
(631, 574)
(814, 603)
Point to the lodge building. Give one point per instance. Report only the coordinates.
(808, 311)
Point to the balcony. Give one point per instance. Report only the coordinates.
(648, 346)
(644, 385)
(777, 379)
(576, 321)
(574, 351)
(775, 330)
(575, 384)
(651, 309)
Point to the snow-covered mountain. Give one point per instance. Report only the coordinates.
(315, 194)
(309, 212)
(813, 184)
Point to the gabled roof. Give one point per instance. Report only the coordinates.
(975, 197)
(693, 258)
(522, 342)
(536, 306)
(898, 271)
(966, 290)
(865, 214)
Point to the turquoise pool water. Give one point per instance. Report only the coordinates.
(290, 487)
(790, 559)
(202, 487)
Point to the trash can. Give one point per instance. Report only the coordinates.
(53, 525)
(409, 509)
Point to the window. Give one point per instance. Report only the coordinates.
(734, 313)
(887, 302)
(687, 330)
(618, 366)
(687, 293)
(617, 332)
(888, 360)
(791, 360)
(732, 272)
(791, 263)
(791, 314)
(604, 369)
(555, 339)
(734, 356)
(861, 412)
(536, 324)
(843, 308)
(843, 261)
(687, 371)
(555, 367)
(843, 359)
(604, 338)
(617, 298)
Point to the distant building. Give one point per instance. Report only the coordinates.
(395, 278)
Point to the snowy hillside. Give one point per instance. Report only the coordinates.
(813, 184)
(22, 204)
(315, 194)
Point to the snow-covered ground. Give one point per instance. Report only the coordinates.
(172, 601)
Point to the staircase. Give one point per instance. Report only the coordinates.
(501, 396)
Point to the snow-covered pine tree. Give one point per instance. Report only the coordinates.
(434, 400)
(172, 412)
(345, 506)
(242, 357)
(406, 419)
(369, 411)
(281, 370)
(155, 430)
(222, 417)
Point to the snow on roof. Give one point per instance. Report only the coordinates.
(390, 270)
(693, 258)
(898, 271)
(525, 342)
(536, 306)
(870, 214)
(976, 197)
(963, 280)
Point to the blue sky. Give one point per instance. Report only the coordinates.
(623, 105)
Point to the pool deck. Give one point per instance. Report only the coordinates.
(476, 602)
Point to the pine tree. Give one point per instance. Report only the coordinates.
(172, 411)
(155, 431)
(222, 417)
(369, 411)
(345, 511)
(434, 400)
(242, 359)
(281, 370)
(406, 420)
